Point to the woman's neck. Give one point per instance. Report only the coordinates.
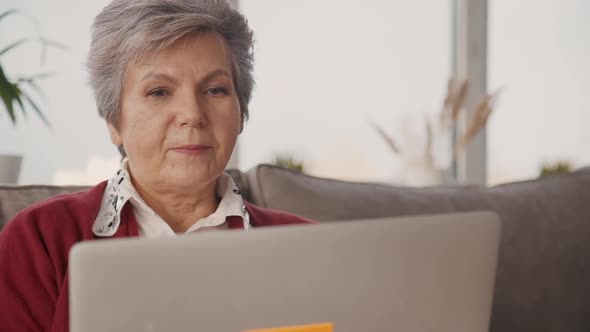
(179, 209)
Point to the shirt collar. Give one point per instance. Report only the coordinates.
(120, 190)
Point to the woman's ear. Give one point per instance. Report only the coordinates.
(114, 133)
(242, 120)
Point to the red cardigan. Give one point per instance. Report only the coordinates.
(34, 250)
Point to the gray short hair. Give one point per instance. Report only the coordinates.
(127, 30)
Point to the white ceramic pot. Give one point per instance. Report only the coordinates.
(10, 168)
(424, 177)
(422, 173)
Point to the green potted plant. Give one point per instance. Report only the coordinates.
(286, 160)
(15, 98)
(557, 167)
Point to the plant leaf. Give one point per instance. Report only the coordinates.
(388, 139)
(13, 45)
(52, 43)
(37, 109)
(7, 94)
(45, 44)
(35, 77)
(7, 99)
(35, 87)
(31, 81)
(8, 12)
(17, 96)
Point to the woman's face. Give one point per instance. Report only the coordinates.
(180, 115)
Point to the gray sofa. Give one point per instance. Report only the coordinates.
(543, 278)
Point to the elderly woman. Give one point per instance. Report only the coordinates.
(172, 79)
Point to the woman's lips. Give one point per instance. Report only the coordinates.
(192, 150)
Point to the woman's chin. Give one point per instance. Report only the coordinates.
(189, 179)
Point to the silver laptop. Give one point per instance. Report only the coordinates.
(427, 273)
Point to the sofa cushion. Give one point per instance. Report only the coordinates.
(15, 198)
(324, 200)
(543, 268)
(543, 272)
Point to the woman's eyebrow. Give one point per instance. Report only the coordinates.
(209, 76)
(217, 72)
(161, 76)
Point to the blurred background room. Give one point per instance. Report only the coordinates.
(378, 90)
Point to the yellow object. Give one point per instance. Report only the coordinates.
(323, 327)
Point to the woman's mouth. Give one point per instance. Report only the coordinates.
(192, 150)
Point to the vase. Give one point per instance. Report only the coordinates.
(422, 173)
(10, 166)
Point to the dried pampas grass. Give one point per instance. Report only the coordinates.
(453, 103)
(447, 119)
(478, 121)
(386, 137)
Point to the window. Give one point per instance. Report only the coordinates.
(538, 56)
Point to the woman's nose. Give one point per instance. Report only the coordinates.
(191, 112)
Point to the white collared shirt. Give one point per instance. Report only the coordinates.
(120, 190)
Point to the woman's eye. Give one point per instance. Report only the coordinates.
(159, 93)
(216, 91)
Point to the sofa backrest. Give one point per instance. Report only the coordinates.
(15, 198)
(543, 269)
(326, 200)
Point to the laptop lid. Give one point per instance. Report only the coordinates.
(424, 273)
